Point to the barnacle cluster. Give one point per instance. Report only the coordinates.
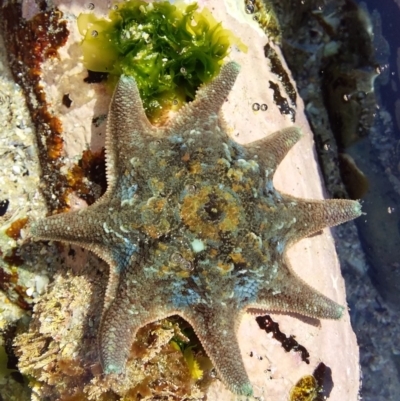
(169, 49)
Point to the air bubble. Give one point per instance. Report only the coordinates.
(256, 106)
(264, 107)
(94, 33)
(177, 259)
(90, 6)
(191, 188)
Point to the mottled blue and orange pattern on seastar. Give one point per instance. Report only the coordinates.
(191, 224)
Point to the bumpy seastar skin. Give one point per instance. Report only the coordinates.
(191, 225)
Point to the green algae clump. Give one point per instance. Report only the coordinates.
(169, 49)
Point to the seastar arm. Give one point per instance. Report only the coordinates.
(127, 126)
(82, 227)
(135, 305)
(216, 329)
(270, 151)
(209, 99)
(87, 229)
(311, 216)
(290, 294)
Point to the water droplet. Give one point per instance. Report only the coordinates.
(176, 258)
(255, 106)
(191, 188)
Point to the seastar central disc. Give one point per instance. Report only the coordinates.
(211, 212)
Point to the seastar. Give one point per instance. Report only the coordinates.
(192, 225)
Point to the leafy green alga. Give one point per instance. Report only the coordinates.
(170, 50)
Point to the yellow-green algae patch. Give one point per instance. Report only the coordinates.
(306, 389)
(169, 49)
(263, 12)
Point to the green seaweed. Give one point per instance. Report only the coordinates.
(187, 351)
(169, 49)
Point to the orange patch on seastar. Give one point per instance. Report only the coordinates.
(195, 168)
(237, 257)
(192, 207)
(186, 157)
(225, 267)
(155, 224)
(196, 217)
(235, 174)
